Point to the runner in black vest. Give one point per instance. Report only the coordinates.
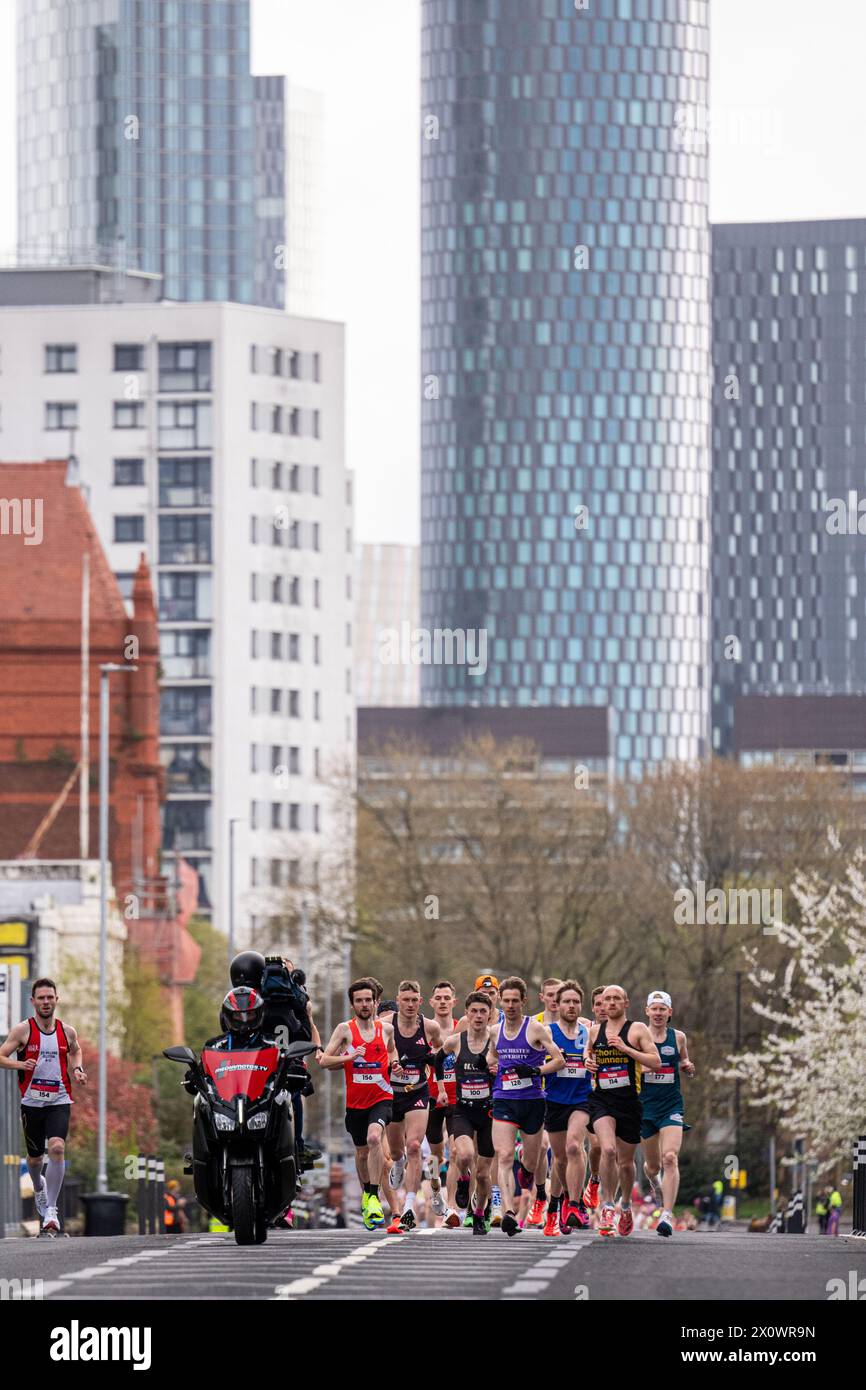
(472, 1120)
(416, 1040)
(618, 1049)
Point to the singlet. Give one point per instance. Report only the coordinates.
(448, 1077)
(473, 1081)
(367, 1080)
(48, 1083)
(572, 1084)
(412, 1053)
(511, 1053)
(661, 1088)
(618, 1075)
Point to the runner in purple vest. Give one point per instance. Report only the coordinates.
(521, 1051)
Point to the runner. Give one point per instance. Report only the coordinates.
(619, 1049)
(472, 1121)
(416, 1039)
(488, 985)
(521, 1052)
(443, 1095)
(545, 1170)
(46, 1052)
(363, 1047)
(567, 1095)
(663, 1125)
(590, 1196)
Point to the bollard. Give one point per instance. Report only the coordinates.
(160, 1196)
(794, 1223)
(141, 1174)
(860, 1186)
(151, 1195)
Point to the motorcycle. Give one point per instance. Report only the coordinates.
(244, 1163)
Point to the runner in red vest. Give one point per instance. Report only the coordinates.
(46, 1054)
(364, 1048)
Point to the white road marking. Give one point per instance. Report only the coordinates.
(298, 1287)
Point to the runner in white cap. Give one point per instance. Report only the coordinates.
(662, 1122)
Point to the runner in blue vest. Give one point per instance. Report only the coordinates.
(662, 1123)
(567, 1096)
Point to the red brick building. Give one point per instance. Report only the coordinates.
(45, 532)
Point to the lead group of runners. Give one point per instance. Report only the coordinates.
(513, 1092)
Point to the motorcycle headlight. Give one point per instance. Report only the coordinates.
(258, 1121)
(225, 1122)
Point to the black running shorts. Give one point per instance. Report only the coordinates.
(404, 1101)
(626, 1112)
(557, 1116)
(436, 1122)
(527, 1115)
(475, 1122)
(359, 1121)
(41, 1123)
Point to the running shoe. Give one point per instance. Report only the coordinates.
(525, 1178)
(496, 1207)
(374, 1215)
(407, 1221)
(564, 1228)
(590, 1196)
(626, 1222)
(551, 1225)
(664, 1228)
(365, 1197)
(580, 1214)
(396, 1227)
(655, 1188)
(398, 1168)
(426, 1173)
(40, 1197)
(510, 1224)
(461, 1195)
(536, 1215)
(437, 1203)
(452, 1219)
(479, 1225)
(605, 1225)
(468, 1220)
(51, 1221)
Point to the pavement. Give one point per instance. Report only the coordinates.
(357, 1265)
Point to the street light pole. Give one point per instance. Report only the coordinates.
(105, 671)
(233, 821)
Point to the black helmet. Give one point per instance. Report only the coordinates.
(247, 969)
(242, 1011)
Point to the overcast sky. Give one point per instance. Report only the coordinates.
(787, 122)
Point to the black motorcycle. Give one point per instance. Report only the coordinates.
(245, 1167)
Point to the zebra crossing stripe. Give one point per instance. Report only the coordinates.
(322, 1273)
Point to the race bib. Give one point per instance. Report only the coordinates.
(663, 1077)
(611, 1078)
(411, 1076)
(369, 1078)
(573, 1071)
(512, 1082)
(475, 1090)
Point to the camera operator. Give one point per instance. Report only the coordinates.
(289, 1016)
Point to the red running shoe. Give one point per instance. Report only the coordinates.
(626, 1222)
(590, 1196)
(536, 1215)
(551, 1225)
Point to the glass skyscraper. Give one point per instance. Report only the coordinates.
(140, 120)
(789, 430)
(565, 358)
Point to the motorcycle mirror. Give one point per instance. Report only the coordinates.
(180, 1054)
(300, 1049)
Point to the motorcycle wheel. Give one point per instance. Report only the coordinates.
(261, 1227)
(243, 1206)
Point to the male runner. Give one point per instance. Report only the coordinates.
(46, 1053)
(521, 1052)
(472, 1121)
(590, 1196)
(443, 1095)
(416, 1039)
(663, 1125)
(619, 1049)
(364, 1047)
(549, 1014)
(567, 1096)
(488, 984)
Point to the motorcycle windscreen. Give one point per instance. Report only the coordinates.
(240, 1073)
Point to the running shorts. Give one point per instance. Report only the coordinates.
(437, 1120)
(557, 1116)
(359, 1121)
(528, 1115)
(655, 1120)
(626, 1113)
(41, 1123)
(404, 1101)
(475, 1122)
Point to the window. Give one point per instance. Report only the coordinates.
(317, 366)
(185, 711)
(276, 646)
(61, 415)
(276, 815)
(188, 766)
(128, 528)
(294, 420)
(277, 589)
(295, 591)
(277, 477)
(128, 472)
(254, 757)
(61, 358)
(294, 646)
(184, 540)
(254, 358)
(185, 597)
(276, 361)
(185, 655)
(295, 762)
(125, 582)
(128, 357)
(184, 366)
(128, 415)
(276, 702)
(254, 473)
(254, 416)
(317, 651)
(185, 482)
(276, 419)
(254, 815)
(294, 815)
(276, 757)
(184, 424)
(254, 646)
(294, 704)
(294, 361)
(253, 699)
(187, 825)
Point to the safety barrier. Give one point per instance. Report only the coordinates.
(150, 1173)
(860, 1186)
(10, 1154)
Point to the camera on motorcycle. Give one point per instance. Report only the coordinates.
(301, 1049)
(180, 1054)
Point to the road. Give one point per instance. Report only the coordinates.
(431, 1265)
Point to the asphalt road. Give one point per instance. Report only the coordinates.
(435, 1265)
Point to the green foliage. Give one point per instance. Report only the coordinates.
(203, 997)
(146, 1016)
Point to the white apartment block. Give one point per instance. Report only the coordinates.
(305, 206)
(211, 436)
